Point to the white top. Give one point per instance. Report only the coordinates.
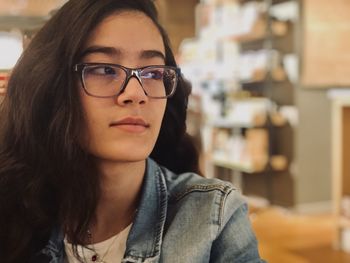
(108, 251)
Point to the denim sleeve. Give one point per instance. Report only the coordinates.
(236, 242)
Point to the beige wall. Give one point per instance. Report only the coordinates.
(313, 147)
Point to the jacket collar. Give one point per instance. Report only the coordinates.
(145, 237)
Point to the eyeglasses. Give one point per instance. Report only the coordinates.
(104, 80)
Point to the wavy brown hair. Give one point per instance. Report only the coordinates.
(46, 178)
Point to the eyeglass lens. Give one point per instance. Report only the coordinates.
(107, 80)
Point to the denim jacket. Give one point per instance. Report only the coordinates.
(181, 219)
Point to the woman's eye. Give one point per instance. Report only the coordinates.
(154, 74)
(102, 70)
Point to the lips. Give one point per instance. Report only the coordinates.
(131, 124)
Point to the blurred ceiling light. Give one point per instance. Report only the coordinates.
(11, 48)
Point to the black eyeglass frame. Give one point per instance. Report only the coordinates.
(130, 72)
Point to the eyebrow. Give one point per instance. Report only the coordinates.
(152, 54)
(111, 51)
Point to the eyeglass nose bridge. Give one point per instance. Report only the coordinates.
(132, 73)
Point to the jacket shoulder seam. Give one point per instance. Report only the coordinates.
(224, 188)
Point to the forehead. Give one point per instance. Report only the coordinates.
(130, 31)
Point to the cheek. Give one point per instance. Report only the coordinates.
(160, 110)
(93, 118)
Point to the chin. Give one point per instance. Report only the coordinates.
(123, 152)
(134, 158)
(130, 156)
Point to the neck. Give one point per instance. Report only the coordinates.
(120, 189)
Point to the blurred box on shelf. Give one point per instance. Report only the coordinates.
(286, 11)
(291, 66)
(345, 240)
(257, 147)
(278, 162)
(248, 112)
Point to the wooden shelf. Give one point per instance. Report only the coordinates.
(259, 76)
(259, 120)
(221, 162)
(22, 22)
(273, 1)
(277, 163)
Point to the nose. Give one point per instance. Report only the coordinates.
(132, 93)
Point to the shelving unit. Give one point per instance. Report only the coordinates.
(228, 164)
(272, 36)
(248, 85)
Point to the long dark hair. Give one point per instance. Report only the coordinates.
(46, 178)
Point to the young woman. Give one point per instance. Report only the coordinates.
(95, 162)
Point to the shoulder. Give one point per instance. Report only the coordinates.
(180, 185)
(208, 213)
(205, 193)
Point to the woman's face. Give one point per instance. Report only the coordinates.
(124, 128)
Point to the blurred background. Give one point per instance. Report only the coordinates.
(270, 108)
